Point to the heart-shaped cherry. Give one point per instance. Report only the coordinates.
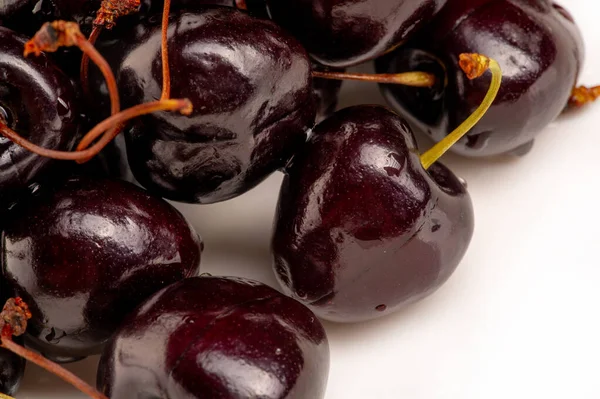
(217, 338)
(536, 43)
(364, 226)
(250, 84)
(85, 253)
(361, 228)
(341, 33)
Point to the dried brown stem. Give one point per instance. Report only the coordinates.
(13, 319)
(166, 75)
(111, 10)
(583, 95)
(65, 375)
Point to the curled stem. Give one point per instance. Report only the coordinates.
(414, 79)
(583, 95)
(474, 65)
(53, 35)
(184, 106)
(13, 321)
(166, 75)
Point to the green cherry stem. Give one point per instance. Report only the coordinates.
(474, 65)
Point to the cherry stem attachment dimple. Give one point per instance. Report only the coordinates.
(414, 79)
(13, 321)
(583, 95)
(166, 75)
(474, 65)
(183, 106)
(53, 35)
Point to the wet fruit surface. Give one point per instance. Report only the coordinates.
(361, 228)
(85, 253)
(38, 101)
(250, 85)
(341, 33)
(217, 338)
(536, 43)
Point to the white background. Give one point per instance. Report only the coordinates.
(520, 318)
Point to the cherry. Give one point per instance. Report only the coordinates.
(217, 337)
(37, 100)
(364, 226)
(536, 43)
(361, 228)
(84, 253)
(250, 86)
(341, 33)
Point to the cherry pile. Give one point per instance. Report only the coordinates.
(199, 102)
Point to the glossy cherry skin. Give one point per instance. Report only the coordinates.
(39, 102)
(342, 33)
(250, 84)
(361, 228)
(536, 43)
(215, 337)
(86, 253)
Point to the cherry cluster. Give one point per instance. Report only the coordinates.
(108, 108)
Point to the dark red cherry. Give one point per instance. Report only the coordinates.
(539, 49)
(86, 253)
(341, 33)
(361, 227)
(210, 337)
(250, 84)
(37, 101)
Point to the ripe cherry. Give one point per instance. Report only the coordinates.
(364, 226)
(217, 338)
(250, 84)
(38, 101)
(85, 253)
(536, 43)
(341, 33)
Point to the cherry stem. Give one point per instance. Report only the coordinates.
(184, 106)
(166, 89)
(53, 35)
(474, 65)
(583, 95)
(414, 79)
(13, 321)
(85, 61)
(52, 367)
